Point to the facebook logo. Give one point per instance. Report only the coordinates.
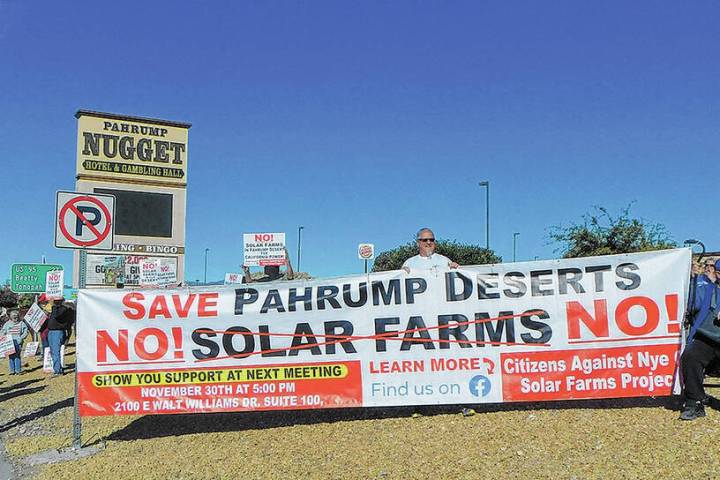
(480, 385)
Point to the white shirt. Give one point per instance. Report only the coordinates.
(435, 262)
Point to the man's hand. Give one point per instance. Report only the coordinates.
(407, 270)
(452, 264)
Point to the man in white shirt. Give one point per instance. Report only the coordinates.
(427, 259)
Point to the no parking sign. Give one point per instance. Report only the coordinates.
(84, 220)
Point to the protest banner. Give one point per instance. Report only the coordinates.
(263, 249)
(7, 346)
(600, 327)
(31, 349)
(54, 283)
(35, 317)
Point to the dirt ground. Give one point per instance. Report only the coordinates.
(631, 438)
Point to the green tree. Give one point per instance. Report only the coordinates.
(26, 300)
(463, 254)
(601, 234)
(8, 298)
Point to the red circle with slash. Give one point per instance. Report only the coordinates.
(99, 236)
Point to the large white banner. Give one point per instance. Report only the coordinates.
(598, 327)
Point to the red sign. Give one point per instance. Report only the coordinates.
(266, 387)
(632, 371)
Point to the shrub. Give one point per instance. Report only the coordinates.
(463, 254)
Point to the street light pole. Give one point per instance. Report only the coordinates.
(515, 235)
(205, 276)
(692, 291)
(300, 229)
(486, 184)
(692, 241)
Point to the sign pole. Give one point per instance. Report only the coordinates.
(36, 335)
(77, 423)
(366, 265)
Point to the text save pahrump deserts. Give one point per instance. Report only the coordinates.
(599, 327)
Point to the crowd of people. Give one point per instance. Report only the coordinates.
(54, 332)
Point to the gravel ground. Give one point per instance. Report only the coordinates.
(632, 438)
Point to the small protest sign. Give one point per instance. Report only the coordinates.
(48, 361)
(54, 284)
(167, 274)
(264, 249)
(31, 349)
(149, 272)
(156, 273)
(233, 278)
(35, 317)
(7, 346)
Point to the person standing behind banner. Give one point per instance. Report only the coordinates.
(704, 286)
(272, 272)
(57, 327)
(701, 351)
(17, 330)
(427, 259)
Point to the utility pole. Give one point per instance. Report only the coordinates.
(205, 276)
(486, 184)
(515, 235)
(300, 229)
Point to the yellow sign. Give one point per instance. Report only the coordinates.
(131, 149)
(252, 374)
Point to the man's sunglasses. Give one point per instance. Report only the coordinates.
(431, 240)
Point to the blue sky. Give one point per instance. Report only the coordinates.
(363, 121)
